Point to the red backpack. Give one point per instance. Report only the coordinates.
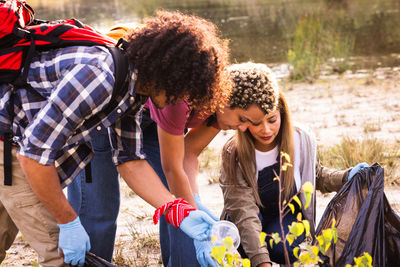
(21, 35)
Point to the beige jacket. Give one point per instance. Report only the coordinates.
(240, 203)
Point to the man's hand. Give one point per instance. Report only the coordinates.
(197, 225)
(203, 254)
(74, 242)
(201, 206)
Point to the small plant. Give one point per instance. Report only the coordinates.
(223, 257)
(363, 261)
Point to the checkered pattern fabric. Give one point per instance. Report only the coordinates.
(76, 82)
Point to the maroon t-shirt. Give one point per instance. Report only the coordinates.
(174, 119)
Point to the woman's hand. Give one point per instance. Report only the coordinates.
(265, 264)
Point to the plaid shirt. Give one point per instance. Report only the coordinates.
(75, 83)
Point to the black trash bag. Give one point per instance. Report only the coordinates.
(365, 221)
(92, 260)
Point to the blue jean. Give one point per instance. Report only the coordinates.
(177, 249)
(97, 203)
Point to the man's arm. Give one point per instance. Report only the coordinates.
(195, 142)
(172, 151)
(46, 185)
(142, 179)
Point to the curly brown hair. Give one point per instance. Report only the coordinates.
(253, 83)
(183, 55)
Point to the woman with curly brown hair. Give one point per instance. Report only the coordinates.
(174, 56)
(173, 154)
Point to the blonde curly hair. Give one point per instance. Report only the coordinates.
(253, 83)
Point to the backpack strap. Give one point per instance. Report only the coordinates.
(121, 67)
(7, 142)
(20, 82)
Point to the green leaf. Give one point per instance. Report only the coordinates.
(307, 196)
(262, 238)
(335, 235)
(218, 253)
(321, 243)
(328, 235)
(297, 229)
(369, 258)
(296, 252)
(291, 206)
(315, 250)
(236, 258)
(333, 223)
(228, 242)
(286, 156)
(308, 187)
(246, 263)
(305, 258)
(306, 226)
(320, 240)
(276, 238)
(290, 238)
(296, 198)
(364, 260)
(299, 216)
(229, 259)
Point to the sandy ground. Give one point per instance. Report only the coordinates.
(333, 107)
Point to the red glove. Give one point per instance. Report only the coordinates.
(174, 211)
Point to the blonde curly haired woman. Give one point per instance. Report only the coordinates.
(250, 158)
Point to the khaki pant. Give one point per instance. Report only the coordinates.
(21, 210)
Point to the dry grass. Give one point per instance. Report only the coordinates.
(350, 152)
(210, 163)
(137, 249)
(372, 127)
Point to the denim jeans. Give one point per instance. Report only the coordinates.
(177, 249)
(97, 203)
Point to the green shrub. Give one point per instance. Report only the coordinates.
(317, 41)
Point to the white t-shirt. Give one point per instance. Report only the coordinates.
(265, 159)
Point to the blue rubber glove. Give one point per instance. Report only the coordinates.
(203, 254)
(197, 225)
(201, 206)
(355, 169)
(74, 242)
